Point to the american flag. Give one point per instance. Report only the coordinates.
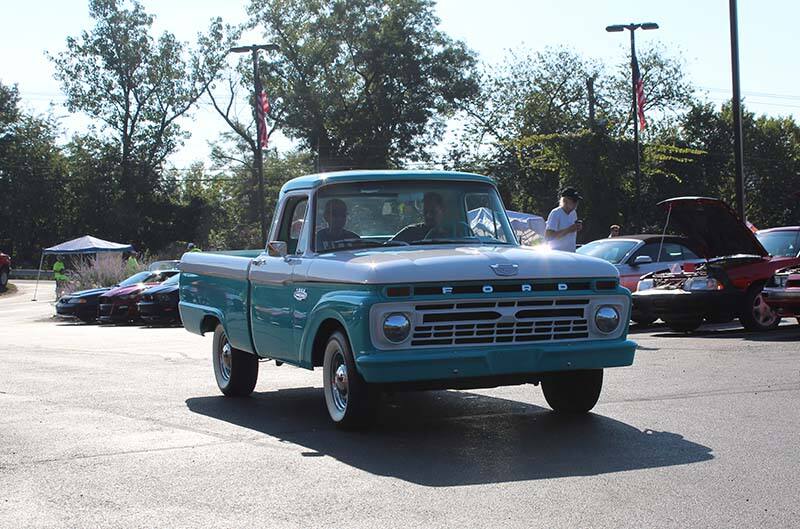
(262, 109)
(639, 86)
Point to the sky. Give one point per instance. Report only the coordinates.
(696, 30)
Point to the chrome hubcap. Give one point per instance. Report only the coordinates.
(762, 312)
(339, 383)
(225, 361)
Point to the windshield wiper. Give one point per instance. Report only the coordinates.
(351, 244)
(447, 241)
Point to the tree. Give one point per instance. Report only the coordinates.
(236, 222)
(553, 118)
(137, 86)
(360, 82)
(667, 91)
(32, 172)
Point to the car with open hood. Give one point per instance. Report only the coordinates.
(727, 284)
(637, 255)
(159, 304)
(378, 278)
(782, 293)
(118, 305)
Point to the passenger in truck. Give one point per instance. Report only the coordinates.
(335, 215)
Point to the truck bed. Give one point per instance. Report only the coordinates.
(214, 286)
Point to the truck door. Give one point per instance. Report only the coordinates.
(271, 300)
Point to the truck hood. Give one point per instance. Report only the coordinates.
(454, 263)
(712, 227)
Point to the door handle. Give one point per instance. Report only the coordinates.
(259, 261)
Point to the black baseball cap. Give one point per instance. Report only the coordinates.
(571, 192)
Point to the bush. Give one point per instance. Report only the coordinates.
(101, 271)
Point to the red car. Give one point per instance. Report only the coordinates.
(119, 305)
(728, 284)
(783, 292)
(5, 269)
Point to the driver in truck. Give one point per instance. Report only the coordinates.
(434, 226)
(335, 215)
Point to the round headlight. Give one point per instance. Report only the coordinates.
(607, 319)
(645, 284)
(396, 327)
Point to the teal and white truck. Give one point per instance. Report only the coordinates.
(380, 279)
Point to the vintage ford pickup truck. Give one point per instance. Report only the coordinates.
(378, 278)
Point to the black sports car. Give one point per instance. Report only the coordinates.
(159, 304)
(82, 305)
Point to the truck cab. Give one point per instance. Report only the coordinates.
(380, 279)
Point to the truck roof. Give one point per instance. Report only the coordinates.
(319, 179)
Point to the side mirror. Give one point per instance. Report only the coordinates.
(642, 260)
(277, 249)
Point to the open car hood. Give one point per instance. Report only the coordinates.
(712, 227)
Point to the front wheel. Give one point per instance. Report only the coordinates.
(3, 278)
(236, 371)
(756, 315)
(573, 391)
(347, 395)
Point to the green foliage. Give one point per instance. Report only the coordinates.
(229, 198)
(135, 85)
(32, 172)
(362, 83)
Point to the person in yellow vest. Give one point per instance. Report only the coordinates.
(131, 265)
(60, 275)
(192, 248)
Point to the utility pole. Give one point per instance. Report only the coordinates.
(258, 159)
(738, 150)
(635, 113)
(638, 183)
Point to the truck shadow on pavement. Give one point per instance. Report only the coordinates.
(450, 438)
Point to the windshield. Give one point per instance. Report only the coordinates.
(141, 277)
(409, 213)
(148, 277)
(780, 243)
(607, 249)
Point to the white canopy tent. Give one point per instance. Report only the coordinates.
(82, 245)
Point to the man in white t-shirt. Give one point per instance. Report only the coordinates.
(562, 223)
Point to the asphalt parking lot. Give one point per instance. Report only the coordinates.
(123, 426)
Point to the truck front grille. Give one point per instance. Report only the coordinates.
(502, 321)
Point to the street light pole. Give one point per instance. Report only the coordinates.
(258, 159)
(737, 112)
(638, 182)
